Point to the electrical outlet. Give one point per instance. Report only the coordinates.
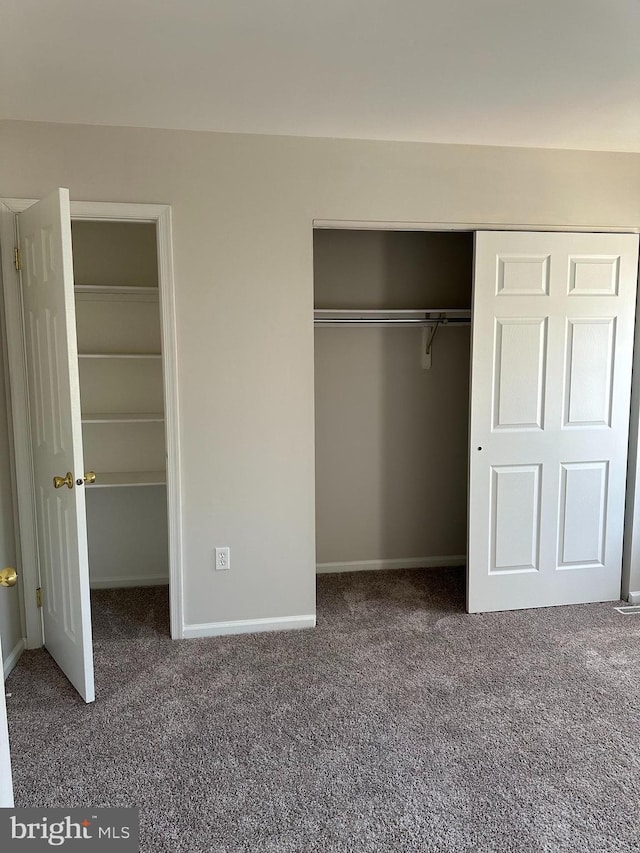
(223, 559)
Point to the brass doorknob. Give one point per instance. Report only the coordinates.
(90, 477)
(59, 482)
(8, 577)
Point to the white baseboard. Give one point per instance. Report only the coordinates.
(401, 563)
(118, 583)
(248, 626)
(634, 598)
(13, 657)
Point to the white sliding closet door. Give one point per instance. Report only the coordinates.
(553, 324)
(56, 435)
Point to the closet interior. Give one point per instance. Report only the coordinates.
(122, 401)
(392, 316)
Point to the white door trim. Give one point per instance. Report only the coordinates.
(160, 214)
(26, 537)
(6, 784)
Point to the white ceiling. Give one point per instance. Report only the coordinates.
(550, 73)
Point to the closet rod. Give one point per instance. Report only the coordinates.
(389, 321)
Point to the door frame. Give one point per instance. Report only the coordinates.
(6, 784)
(160, 216)
(630, 582)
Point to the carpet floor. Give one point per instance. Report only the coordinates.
(399, 724)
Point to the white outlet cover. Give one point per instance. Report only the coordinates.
(223, 559)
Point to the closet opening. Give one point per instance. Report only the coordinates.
(392, 324)
(118, 322)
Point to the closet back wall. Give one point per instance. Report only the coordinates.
(391, 437)
(116, 253)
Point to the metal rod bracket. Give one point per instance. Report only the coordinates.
(428, 337)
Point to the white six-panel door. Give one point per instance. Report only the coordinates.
(56, 434)
(553, 324)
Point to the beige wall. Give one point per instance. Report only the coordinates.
(10, 608)
(391, 437)
(243, 208)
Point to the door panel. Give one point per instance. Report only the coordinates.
(594, 275)
(553, 324)
(519, 373)
(56, 435)
(522, 275)
(515, 518)
(590, 353)
(583, 514)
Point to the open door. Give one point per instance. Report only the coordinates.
(6, 785)
(553, 324)
(44, 232)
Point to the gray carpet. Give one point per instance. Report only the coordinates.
(399, 724)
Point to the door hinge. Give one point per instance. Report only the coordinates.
(39, 596)
(17, 259)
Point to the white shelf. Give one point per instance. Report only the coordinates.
(115, 479)
(119, 355)
(110, 292)
(115, 288)
(122, 417)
